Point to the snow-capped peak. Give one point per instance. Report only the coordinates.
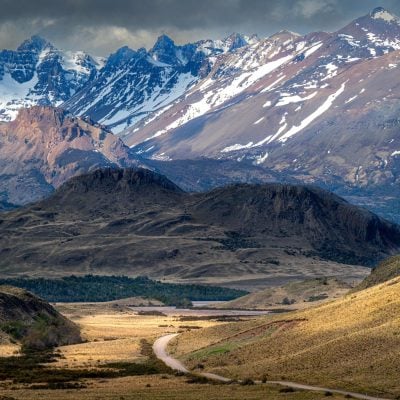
(165, 51)
(383, 14)
(234, 41)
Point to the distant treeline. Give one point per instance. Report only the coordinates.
(93, 288)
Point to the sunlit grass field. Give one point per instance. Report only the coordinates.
(351, 343)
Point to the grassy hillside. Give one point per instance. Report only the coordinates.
(386, 270)
(353, 343)
(30, 321)
(294, 295)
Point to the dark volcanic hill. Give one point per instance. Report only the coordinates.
(32, 321)
(136, 222)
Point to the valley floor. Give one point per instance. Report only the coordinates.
(114, 334)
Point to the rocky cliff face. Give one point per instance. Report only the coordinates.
(44, 146)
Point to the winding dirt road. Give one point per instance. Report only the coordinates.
(160, 350)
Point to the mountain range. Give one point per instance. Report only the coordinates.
(320, 108)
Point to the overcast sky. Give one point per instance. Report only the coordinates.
(102, 26)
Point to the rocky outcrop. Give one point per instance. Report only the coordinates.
(45, 146)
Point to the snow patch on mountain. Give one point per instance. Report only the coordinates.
(237, 147)
(317, 113)
(311, 50)
(15, 95)
(385, 15)
(213, 99)
(156, 101)
(289, 99)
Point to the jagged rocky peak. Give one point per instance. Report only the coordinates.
(121, 56)
(235, 41)
(163, 41)
(36, 44)
(283, 36)
(383, 14)
(374, 34)
(254, 38)
(164, 50)
(39, 73)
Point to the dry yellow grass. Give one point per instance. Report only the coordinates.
(99, 322)
(351, 343)
(113, 333)
(292, 296)
(157, 388)
(8, 349)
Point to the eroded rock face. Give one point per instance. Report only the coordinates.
(45, 146)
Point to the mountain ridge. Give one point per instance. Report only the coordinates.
(319, 108)
(137, 222)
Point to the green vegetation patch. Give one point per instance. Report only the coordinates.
(214, 351)
(43, 333)
(91, 288)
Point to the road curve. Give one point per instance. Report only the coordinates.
(160, 350)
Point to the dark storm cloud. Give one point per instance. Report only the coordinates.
(100, 26)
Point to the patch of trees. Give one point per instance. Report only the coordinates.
(93, 288)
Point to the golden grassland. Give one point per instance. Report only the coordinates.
(114, 334)
(293, 296)
(352, 343)
(8, 349)
(164, 388)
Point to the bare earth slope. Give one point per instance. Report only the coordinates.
(136, 222)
